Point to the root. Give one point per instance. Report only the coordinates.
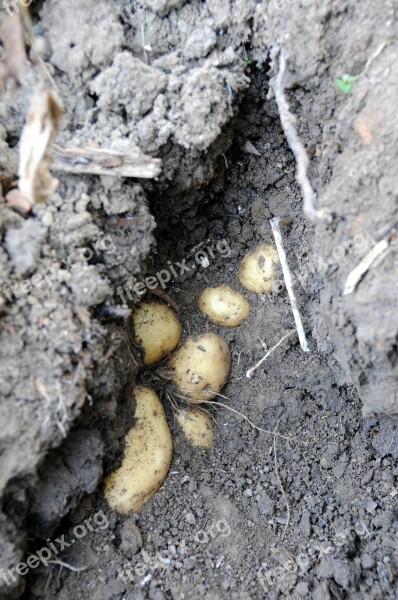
(363, 267)
(250, 372)
(212, 417)
(246, 418)
(61, 412)
(61, 563)
(282, 490)
(166, 298)
(216, 403)
(174, 407)
(288, 121)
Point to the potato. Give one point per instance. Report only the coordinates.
(147, 456)
(156, 329)
(224, 305)
(257, 269)
(197, 427)
(201, 367)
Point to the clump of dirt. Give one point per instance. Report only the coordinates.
(310, 514)
(351, 139)
(66, 355)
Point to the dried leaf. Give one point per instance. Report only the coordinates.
(42, 125)
(250, 148)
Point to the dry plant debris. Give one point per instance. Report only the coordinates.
(101, 161)
(288, 121)
(289, 283)
(42, 125)
(363, 267)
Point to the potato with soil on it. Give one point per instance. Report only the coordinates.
(156, 329)
(147, 456)
(223, 305)
(200, 367)
(197, 427)
(257, 269)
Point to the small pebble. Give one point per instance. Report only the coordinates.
(302, 589)
(190, 518)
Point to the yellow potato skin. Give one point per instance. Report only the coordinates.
(197, 427)
(156, 329)
(201, 367)
(147, 456)
(257, 269)
(223, 305)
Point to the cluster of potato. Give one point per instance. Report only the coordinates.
(198, 369)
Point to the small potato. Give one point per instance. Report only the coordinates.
(257, 269)
(224, 305)
(156, 329)
(201, 367)
(147, 456)
(197, 427)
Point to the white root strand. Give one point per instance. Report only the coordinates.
(363, 267)
(288, 121)
(282, 489)
(289, 283)
(250, 372)
(61, 563)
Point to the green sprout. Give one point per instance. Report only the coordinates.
(346, 82)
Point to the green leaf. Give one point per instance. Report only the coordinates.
(345, 83)
(343, 86)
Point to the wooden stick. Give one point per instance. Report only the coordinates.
(289, 283)
(101, 161)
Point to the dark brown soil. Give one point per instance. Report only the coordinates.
(259, 516)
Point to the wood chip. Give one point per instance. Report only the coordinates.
(250, 148)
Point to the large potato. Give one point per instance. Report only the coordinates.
(257, 269)
(201, 367)
(224, 305)
(197, 427)
(147, 456)
(156, 329)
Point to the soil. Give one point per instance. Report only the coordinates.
(309, 509)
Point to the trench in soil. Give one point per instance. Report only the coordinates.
(221, 515)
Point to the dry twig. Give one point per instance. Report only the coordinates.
(101, 161)
(289, 283)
